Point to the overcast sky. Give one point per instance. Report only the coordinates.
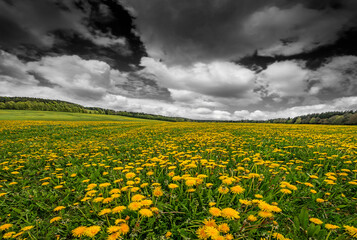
(217, 59)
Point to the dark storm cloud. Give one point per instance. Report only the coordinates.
(91, 29)
(183, 32)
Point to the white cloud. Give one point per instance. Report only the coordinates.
(219, 79)
(284, 79)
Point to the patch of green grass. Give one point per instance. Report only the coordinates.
(60, 116)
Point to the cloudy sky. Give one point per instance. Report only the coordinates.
(217, 59)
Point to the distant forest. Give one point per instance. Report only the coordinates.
(26, 103)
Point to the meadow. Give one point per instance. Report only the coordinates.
(131, 179)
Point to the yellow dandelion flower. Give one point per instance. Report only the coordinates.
(5, 226)
(104, 211)
(245, 202)
(157, 192)
(316, 221)
(285, 191)
(212, 232)
(265, 214)
(137, 198)
(8, 235)
(130, 175)
(237, 189)
(252, 218)
(98, 199)
(352, 231)
(201, 233)
(27, 228)
(118, 209)
(216, 212)
(135, 206)
(146, 212)
(173, 186)
(107, 200)
(113, 229)
(146, 202)
(224, 228)
(55, 219)
(209, 223)
(223, 190)
(124, 228)
(92, 231)
(104, 185)
(230, 213)
(331, 226)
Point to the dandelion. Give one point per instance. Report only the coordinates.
(258, 196)
(173, 186)
(27, 228)
(146, 202)
(237, 189)
(252, 218)
(158, 192)
(5, 226)
(146, 212)
(98, 199)
(92, 231)
(230, 213)
(320, 200)
(210, 223)
(212, 232)
(223, 190)
(331, 226)
(316, 221)
(245, 202)
(135, 206)
(55, 219)
(130, 175)
(201, 233)
(285, 191)
(168, 234)
(137, 198)
(124, 228)
(107, 200)
(216, 212)
(224, 228)
(8, 235)
(104, 185)
(104, 212)
(190, 182)
(113, 229)
(352, 231)
(265, 214)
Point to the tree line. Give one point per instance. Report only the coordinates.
(39, 104)
(27, 103)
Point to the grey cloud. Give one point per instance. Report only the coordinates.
(183, 32)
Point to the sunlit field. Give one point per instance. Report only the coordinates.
(158, 180)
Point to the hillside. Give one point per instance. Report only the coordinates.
(39, 104)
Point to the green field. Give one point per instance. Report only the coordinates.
(60, 116)
(122, 178)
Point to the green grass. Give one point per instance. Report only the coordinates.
(60, 116)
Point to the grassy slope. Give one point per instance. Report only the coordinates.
(60, 116)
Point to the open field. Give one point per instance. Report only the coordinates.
(158, 180)
(60, 116)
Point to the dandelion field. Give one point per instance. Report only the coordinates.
(158, 180)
